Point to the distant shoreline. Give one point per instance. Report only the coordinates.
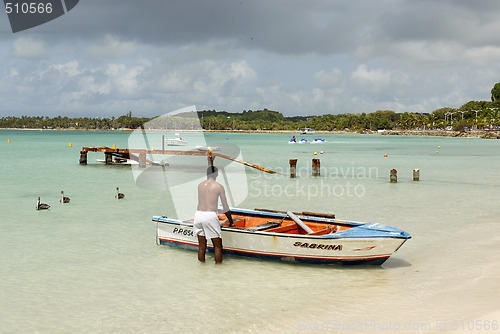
(485, 134)
(181, 130)
(490, 134)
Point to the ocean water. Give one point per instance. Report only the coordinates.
(93, 266)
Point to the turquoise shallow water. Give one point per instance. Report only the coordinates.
(93, 266)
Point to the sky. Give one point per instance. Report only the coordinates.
(298, 57)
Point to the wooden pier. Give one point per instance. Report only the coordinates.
(120, 156)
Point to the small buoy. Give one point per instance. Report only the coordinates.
(385, 155)
(416, 174)
(70, 144)
(114, 147)
(321, 152)
(394, 176)
(315, 153)
(8, 141)
(227, 138)
(41, 130)
(152, 148)
(439, 146)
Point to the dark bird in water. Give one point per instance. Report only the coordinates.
(41, 206)
(64, 199)
(119, 195)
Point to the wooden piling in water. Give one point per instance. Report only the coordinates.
(315, 167)
(108, 158)
(394, 176)
(142, 159)
(210, 159)
(416, 174)
(293, 168)
(83, 157)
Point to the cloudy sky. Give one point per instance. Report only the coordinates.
(299, 57)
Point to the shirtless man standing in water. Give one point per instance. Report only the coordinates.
(206, 223)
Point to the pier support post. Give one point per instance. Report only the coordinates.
(109, 158)
(210, 158)
(293, 168)
(315, 167)
(142, 159)
(394, 176)
(416, 174)
(83, 157)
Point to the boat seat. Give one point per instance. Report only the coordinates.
(262, 227)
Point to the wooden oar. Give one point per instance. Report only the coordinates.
(244, 163)
(275, 211)
(204, 153)
(318, 214)
(300, 222)
(303, 213)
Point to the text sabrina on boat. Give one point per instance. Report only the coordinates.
(289, 237)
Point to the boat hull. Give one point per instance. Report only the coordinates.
(173, 142)
(285, 247)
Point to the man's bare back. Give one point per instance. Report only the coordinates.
(208, 196)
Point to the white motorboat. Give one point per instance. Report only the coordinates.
(177, 141)
(208, 148)
(126, 162)
(307, 131)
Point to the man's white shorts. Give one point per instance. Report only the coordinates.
(206, 223)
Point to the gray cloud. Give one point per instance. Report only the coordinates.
(298, 57)
(284, 27)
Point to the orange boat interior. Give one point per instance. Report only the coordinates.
(279, 225)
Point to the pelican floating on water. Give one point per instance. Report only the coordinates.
(64, 199)
(119, 195)
(41, 206)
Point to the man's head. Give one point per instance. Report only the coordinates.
(212, 172)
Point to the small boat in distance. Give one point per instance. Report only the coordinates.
(319, 141)
(177, 141)
(302, 237)
(208, 148)
(306, 131)
(118, 161)
(302, 141)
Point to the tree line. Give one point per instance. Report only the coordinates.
(84, 123)
(471, 115)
